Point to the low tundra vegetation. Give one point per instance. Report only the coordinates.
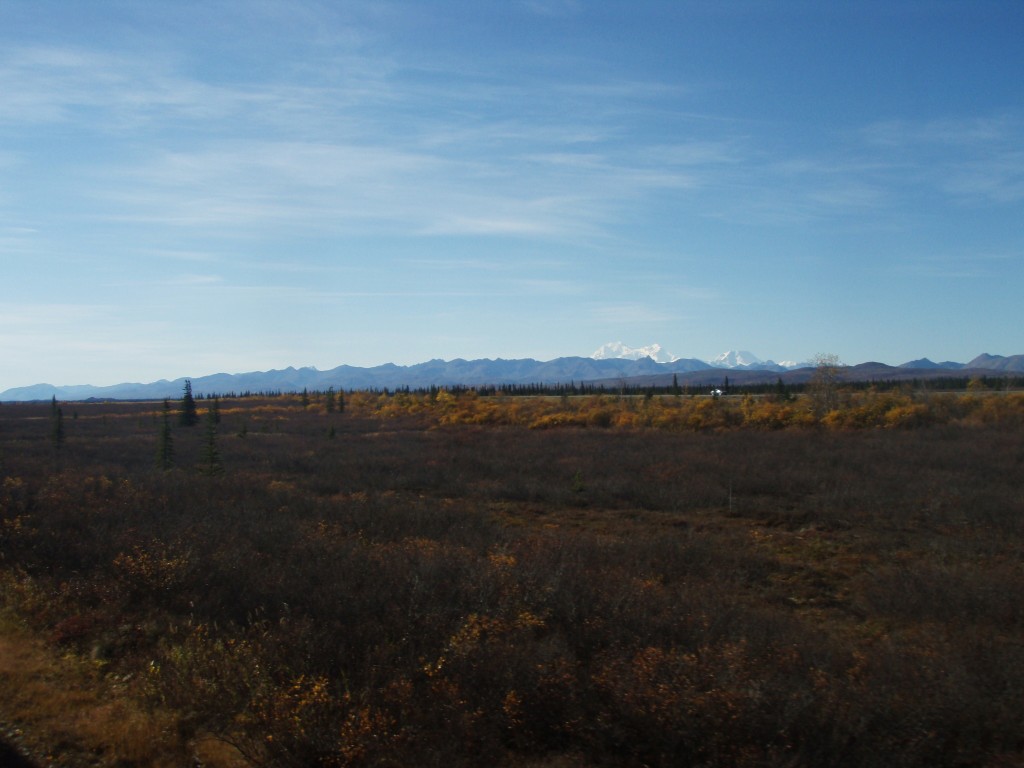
(456, 580)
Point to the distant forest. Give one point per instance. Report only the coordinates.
(727, 387)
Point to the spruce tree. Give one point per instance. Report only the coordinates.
(188, 417)
(211, 455)
(330, 400)
(57, 426)
(780, 390)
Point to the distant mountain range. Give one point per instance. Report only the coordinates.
(612, 365)
(731, 359)
(616, 350)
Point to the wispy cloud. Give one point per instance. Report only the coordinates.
(974, 160)
(195, 280)
(461, 264)
(253, 184)
(549, 287)
(339, 163)
(18, 241)
(336, 158)
(996, 178)
(182, 255)
(114, 93)
(961, 266)
(55, 85)
(962, 132)
(21, 315)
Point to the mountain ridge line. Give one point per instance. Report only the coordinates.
(495, 372)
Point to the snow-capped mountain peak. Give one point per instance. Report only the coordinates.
(618, 350)
(734, 359)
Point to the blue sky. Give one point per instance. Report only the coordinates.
(198, 187)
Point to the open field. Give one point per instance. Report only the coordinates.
(453, 580)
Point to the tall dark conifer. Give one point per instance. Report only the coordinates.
(57, 426)
(188, 416)
(211, 454)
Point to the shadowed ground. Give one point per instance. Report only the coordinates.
(11, 758)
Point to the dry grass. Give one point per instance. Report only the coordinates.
(61, 711)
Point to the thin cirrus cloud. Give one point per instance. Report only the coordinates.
(456, 177)
(25, 315)
(334, 187)
(961, 266)
(424, 185)
(433, 186)
(294, 183)
(964, 132)
(419, 181)
(997, 178)
(111, 94)
(103, 92)
(974, 160)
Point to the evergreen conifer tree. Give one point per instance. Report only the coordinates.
(188, 417)
(211, 454)
(780, 390)
(57, 426)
